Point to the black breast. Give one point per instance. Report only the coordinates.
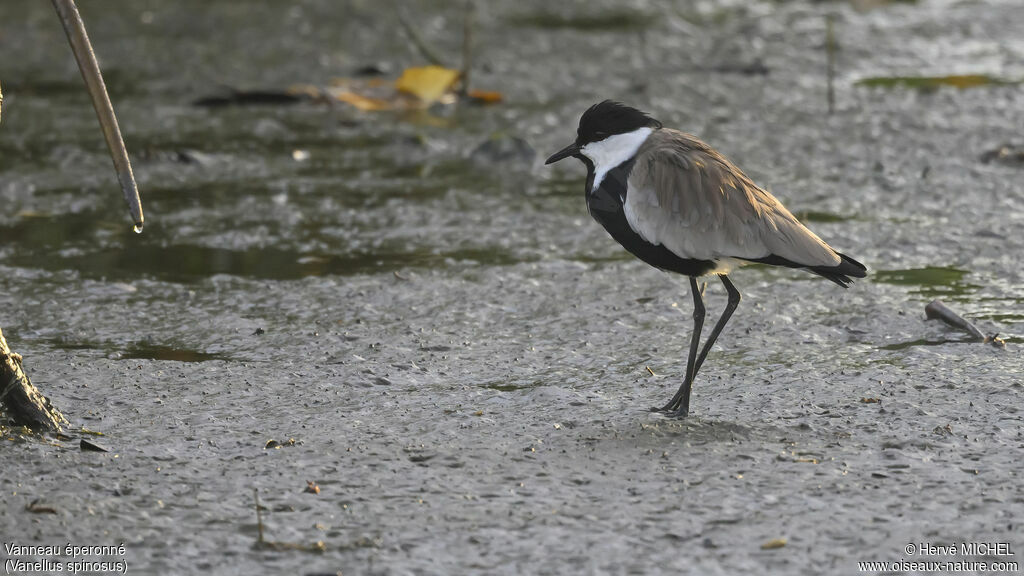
(606, 206)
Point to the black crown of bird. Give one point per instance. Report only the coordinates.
(676, 203)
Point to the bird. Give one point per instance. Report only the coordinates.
(679, 205)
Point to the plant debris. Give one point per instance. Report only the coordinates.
(961, 81)
(1006, 154)
(87, 446)
(417, 88)
(937, 310)
(250, 98)
(774, 544)
(36, 508)
(277, 445)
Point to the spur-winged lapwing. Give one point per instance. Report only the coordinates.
(677, 204)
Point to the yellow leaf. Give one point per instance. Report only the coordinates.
(774, 544)
(427, 83)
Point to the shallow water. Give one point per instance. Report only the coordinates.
(463, 359)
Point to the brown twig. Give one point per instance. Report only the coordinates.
(467, 45)
(23, 402)
(937, 310)
(90, 68)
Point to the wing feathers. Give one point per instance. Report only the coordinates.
(688, 197)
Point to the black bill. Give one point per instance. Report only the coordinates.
(570, 150)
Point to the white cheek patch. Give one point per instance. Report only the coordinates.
(612, 151)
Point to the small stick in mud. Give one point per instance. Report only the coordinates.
(87, 64)
(937, 310)
(23, 402)
(467, 45)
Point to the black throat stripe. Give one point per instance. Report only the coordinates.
(607, 206)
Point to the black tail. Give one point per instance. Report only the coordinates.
(842, 274)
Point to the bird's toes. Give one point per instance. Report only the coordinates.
(670, 411)
(674, 412)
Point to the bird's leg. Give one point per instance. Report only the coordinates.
(680, 403)
(730, 307)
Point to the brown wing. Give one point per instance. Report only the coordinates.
(688, 197)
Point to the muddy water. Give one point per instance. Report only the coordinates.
(441, 339)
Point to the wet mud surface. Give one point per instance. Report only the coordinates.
(431, 328)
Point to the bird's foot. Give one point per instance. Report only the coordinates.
(671, 411)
